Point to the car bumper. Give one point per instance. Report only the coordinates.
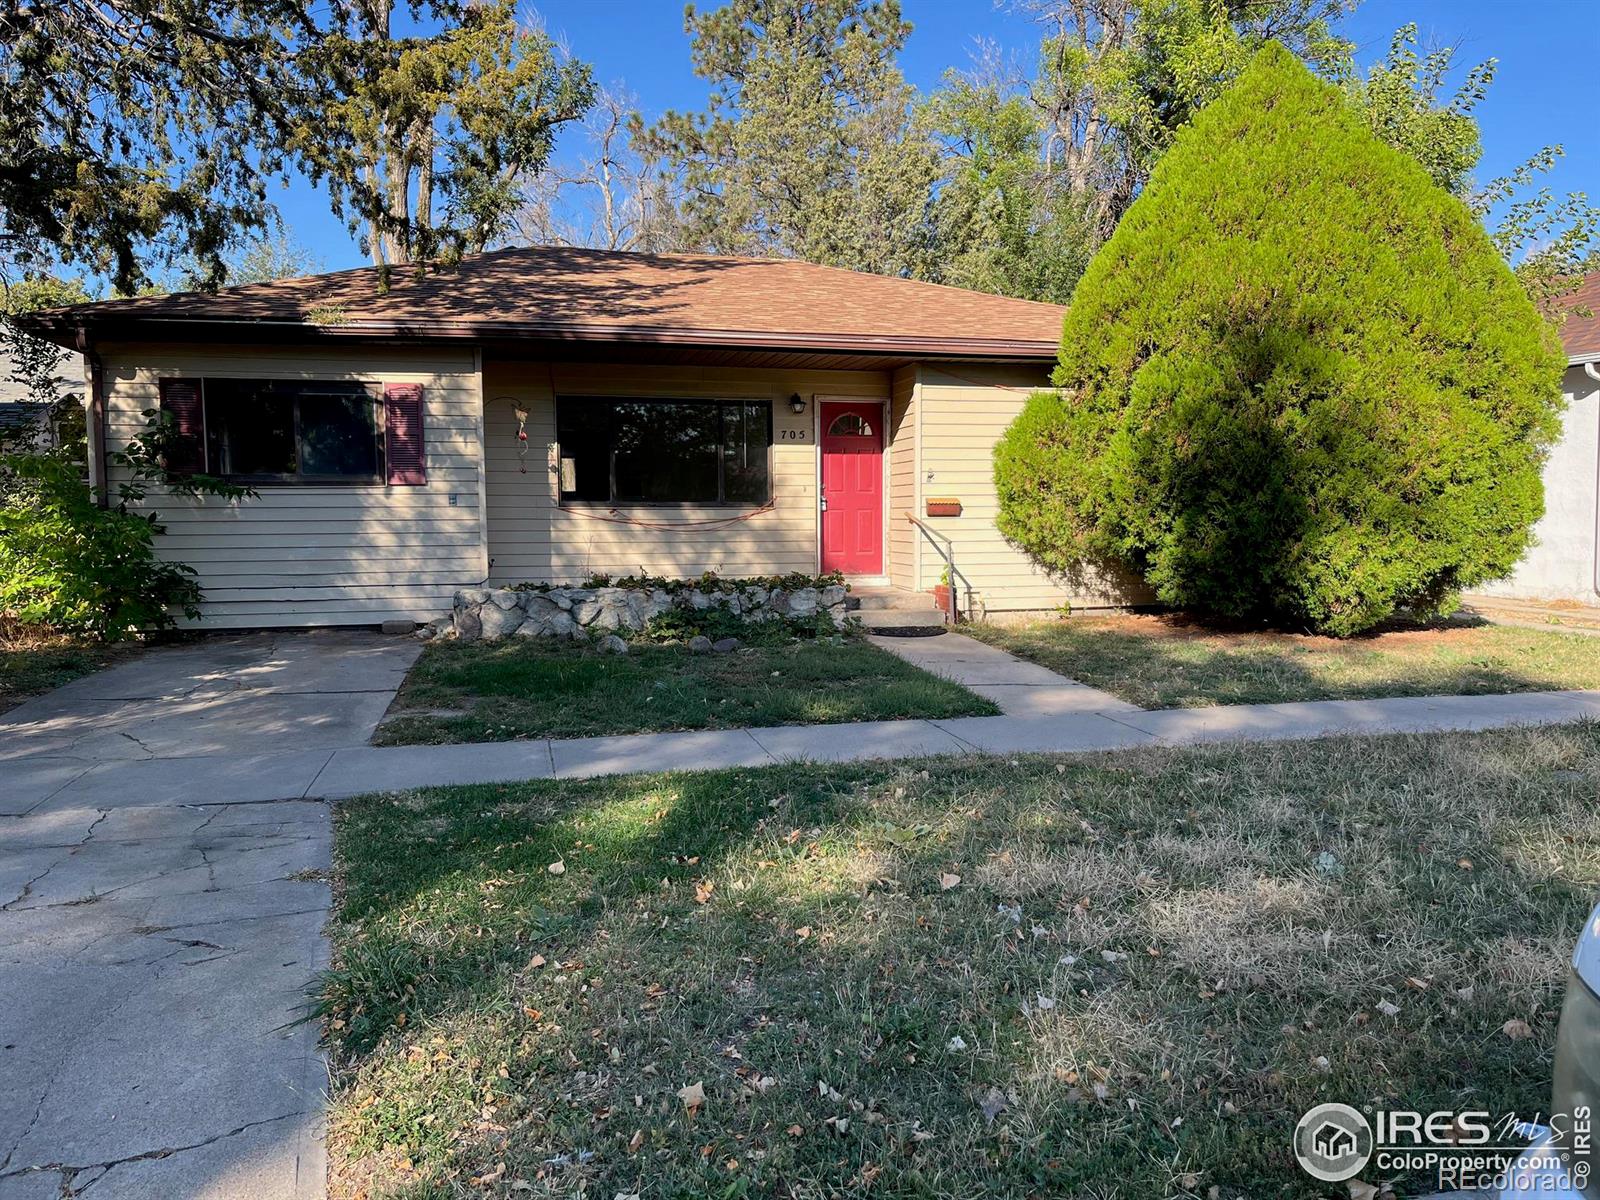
(1539, 1175)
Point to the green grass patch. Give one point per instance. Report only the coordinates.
(1173, 662)
(32, 664)
(520, 688)
(1123, 976)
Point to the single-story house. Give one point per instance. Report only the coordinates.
(548, 414)
(1564, 564)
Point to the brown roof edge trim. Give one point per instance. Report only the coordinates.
(113, 327)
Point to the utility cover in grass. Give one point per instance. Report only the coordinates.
(1300, 383)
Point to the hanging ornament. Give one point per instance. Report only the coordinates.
(522, 438)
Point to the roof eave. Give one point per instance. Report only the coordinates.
(63, 327)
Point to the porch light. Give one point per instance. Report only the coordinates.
(796, 404)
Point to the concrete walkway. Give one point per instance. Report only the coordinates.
(157, 938)
(163, 837)
(1046, 714)
(1020, 688)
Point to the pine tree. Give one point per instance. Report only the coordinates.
(1299, 383)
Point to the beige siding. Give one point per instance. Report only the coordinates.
(961, 413)
(322, 555)
(903, 536)
(532, 537)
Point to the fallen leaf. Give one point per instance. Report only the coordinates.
(803, 932)
(1387, 1009)
(794, 1131)
(557, 868)
(1361, 1191)
(946, 882)
(1517, 1029)
(993, 1104)
(536, 962)
(702, 891)
(693, 1097)
(636, 1141)
(489, 1177)
(533, 1014)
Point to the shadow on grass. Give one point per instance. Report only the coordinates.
(1150, 968)
(1174, 661)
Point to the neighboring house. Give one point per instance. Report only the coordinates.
(1564, 565)
(26, 423)
(547, 414)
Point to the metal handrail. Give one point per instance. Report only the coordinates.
(947, 551)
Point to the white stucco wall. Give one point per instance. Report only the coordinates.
(1561, 566)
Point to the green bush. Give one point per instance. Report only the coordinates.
(69, 564)
(1298, 384)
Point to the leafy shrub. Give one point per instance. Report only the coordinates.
(1298, 383)
(681, 624)
(709, 581)
(69, 564)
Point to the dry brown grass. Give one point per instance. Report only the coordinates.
(1172, 661)
(1157, 960)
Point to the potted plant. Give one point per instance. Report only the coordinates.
(941, 591)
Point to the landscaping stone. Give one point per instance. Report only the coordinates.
(726, 645)
(496, 623)
(612, 644)
(467, 625)
(435, 628)
(491, 614)
(803, 603)
(546, 618)
(699, 644)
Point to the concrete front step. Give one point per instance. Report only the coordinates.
(868, 599)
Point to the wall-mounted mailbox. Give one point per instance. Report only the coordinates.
(944, 506)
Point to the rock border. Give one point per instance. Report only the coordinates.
(579, 614)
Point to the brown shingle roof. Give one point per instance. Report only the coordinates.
(563, 294)
(1581, 334)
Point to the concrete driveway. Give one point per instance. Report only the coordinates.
(154, 955)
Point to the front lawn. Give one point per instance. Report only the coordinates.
(1175, 662)
(521, 688)
(1115, 977)
(32, 663)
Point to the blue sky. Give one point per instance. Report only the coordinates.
(1542, 94)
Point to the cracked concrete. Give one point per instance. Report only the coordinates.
(152, 979)
(157, 938)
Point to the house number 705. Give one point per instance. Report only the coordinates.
(792, 435)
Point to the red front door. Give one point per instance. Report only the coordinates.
(852, 488)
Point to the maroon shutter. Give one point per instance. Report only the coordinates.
(180, 398)
(403, 451)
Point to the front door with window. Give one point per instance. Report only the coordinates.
(852, 488)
